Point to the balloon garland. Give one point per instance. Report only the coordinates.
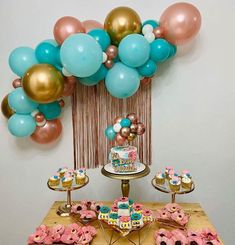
(123, 52)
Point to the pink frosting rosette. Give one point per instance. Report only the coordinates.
(114, 208)
(84, 239)
(195, 240)
(163, 214)
(162, 233)
(172, 207)
(77, 208)
(164, 241)
(73, 229)
(180, 217)
(132, 155)
(87, 203)
(53, 237)
(69, 238)
(208, 234)
(38, 237)
(125, 218)
(87, 214)
(179, 236)
(57, 229)
(89, 230)
(147, 212)
(138, 206)
(96, 206)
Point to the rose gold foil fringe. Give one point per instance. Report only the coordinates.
(93, 109)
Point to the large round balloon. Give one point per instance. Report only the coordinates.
(110, 133)
(43, 83)
(121, 22)
(20, 103)
(122, 81)
(47, 133)
(21, 125)
(66, 26)
(160, 50)
(6, 109)
(89, 25)
(134, 50)
(21, 59)
(81, 55)
(148, 69)
(51, 110)
(101, 36)
(180, 22)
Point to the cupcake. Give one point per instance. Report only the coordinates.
(174, 184)
(178, 237)
(67, 181)
(186, 183)
(160, 178)
(62, 171)
(186, 174)
(172, 174)
(80, 171)
(167, 170)
(80, 179)
(54, 180)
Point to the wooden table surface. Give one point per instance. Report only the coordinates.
(197, 221)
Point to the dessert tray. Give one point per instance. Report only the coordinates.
(140, 168)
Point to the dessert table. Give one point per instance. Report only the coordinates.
(198, 220)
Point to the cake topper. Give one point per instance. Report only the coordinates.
(124, 129)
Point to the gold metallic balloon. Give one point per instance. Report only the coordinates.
(131, 137)
(121, 22)
(6, 109)
(43, 83)
(125, 132)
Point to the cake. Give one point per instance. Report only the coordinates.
(124, 158)
(160, 178)
(136, 220)
(54, 180)
(174, 184)
(147, 215)
(104, 213)
(186, 183)
(113, 219)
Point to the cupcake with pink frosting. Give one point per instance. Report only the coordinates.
(163, 214)
(180, 217)
(179, 237)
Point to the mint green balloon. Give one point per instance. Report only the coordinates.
(122, 81)
(51, 110)
(21, 125)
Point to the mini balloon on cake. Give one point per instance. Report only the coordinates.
(123, 156)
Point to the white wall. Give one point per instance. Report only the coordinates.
(193, 117)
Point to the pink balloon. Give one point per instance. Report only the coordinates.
(66, 26)
(180, 22)
(89, 25)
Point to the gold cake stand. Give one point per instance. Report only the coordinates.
(64, 210)
(125, 178)
(166, 189)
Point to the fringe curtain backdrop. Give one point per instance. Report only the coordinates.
(93, 109)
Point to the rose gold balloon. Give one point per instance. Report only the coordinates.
(134, 127)
(66, 26)
(39, 117)
(16, 83)
(145, 81)
(120, 140)
(125, 132)
(109, 64)
(158, 32)
(6, 109)
(132, 117)
(61, 103)
(181, 22)
(112, 52)
(47, 133)
(69, 85)
(131, 137)
(89, 25)
(118, 119)
(140, 129)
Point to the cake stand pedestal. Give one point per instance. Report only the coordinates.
(142, 171)
(64, 209)
(166, 189)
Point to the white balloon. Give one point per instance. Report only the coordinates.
(117, 127)
(33, 113)
(150, 37)
(105, 57)
(147, 28)
(66, 73)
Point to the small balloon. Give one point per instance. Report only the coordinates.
(16, 83)
(66, 26)
(117, 127)
(109, 64)
(118, 119)
(140, 129)
(160, 50)
(112, 52)
(120, 140)
(51, 110)
(69, 85)
(61, 103)
(132, 117)
(101, 36)
(125, 132)
(158, 32)
(110, 133)
(148, 69)
(6, 109)
(153, 23)
(125, 122)
(39, 117)
(43, 83)
(90, 25)
(145, 81)
(48, 133)
(131, 137)
(134, 128)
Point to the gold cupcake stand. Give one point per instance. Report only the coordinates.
(64, 209)
(125, 178)
(166, 189)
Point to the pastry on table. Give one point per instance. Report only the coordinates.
(67, 181)
(54, 180)
(186, 183)
(175, 184)
(160, 178)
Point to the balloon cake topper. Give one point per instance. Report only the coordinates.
(123, 53)
(125, 129)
